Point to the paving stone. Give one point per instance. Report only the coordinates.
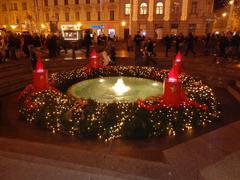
(226, 169)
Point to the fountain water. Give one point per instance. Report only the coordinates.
(120, 88)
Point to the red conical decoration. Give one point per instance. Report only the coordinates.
(93, 54)
(39, 65)
(94, 61)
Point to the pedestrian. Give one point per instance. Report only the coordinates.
(149, 52)
(111, 51)
(87, 42)
(179, 42)
(129, 43)
(138, 42)
(189, 41)
(167, 43)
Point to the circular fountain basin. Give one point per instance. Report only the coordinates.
(116, 89)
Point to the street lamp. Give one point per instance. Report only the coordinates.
(224, 14)
(229, 21)
(123, 23)
(43, 26)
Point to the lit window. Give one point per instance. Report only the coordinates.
(57, 16)
(15, 6)
(194, 8)
(111, 15)
(176, 8)
(55, 2)
(46, 2)
(67, 17)
(24, 6)
(4, 7)
(143, 8)
(159, 8)
(47, 17)
(77, 16)
(99, 16)
(88, 16)
(127, 9)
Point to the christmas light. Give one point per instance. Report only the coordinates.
(53, 109)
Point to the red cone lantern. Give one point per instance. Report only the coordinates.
(94, 61)
(40, 76)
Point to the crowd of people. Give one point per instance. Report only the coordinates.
(224, 45)
(14, 46)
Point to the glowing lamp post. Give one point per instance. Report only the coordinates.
(40, 76)
(172, 85)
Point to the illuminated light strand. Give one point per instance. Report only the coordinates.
(50, 107)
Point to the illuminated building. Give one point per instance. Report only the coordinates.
(226, 18)
(155, 18)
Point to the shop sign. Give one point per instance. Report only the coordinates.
(101, 26)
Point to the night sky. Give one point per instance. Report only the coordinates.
(220, 3)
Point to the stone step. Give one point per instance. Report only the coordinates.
(12, 88)
(234, 90)
(21, 78)
(15, 72)
(29, 167)
(238, 83)
(94, 163)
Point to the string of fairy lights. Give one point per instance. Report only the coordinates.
(53, 109)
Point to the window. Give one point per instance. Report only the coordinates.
(65, 2)
(143, 8)
(174, 26)
(66, 17)
(77, 16)
(194, 7)
(17, 20)
(15, 6)
(176, 8)
(24, 6)
(111, 1)
(55, 2)
(87, 1)
(88, 16)
(57, 16)
(111, 15)
(99, 16)
(76, 1)
(127, 9)
(159, 8)
(4, 7)
(192, 28)
(46, 2)
(98, 1)
(6, 20)
(47, 17)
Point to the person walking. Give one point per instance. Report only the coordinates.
(167, 43)
(87, 42)
(138, 44)
(190, 40)
(149, 52)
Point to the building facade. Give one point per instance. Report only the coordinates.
(227, 18)
(154, 18)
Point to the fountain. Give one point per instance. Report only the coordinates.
(115, 89)
(120, 88)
